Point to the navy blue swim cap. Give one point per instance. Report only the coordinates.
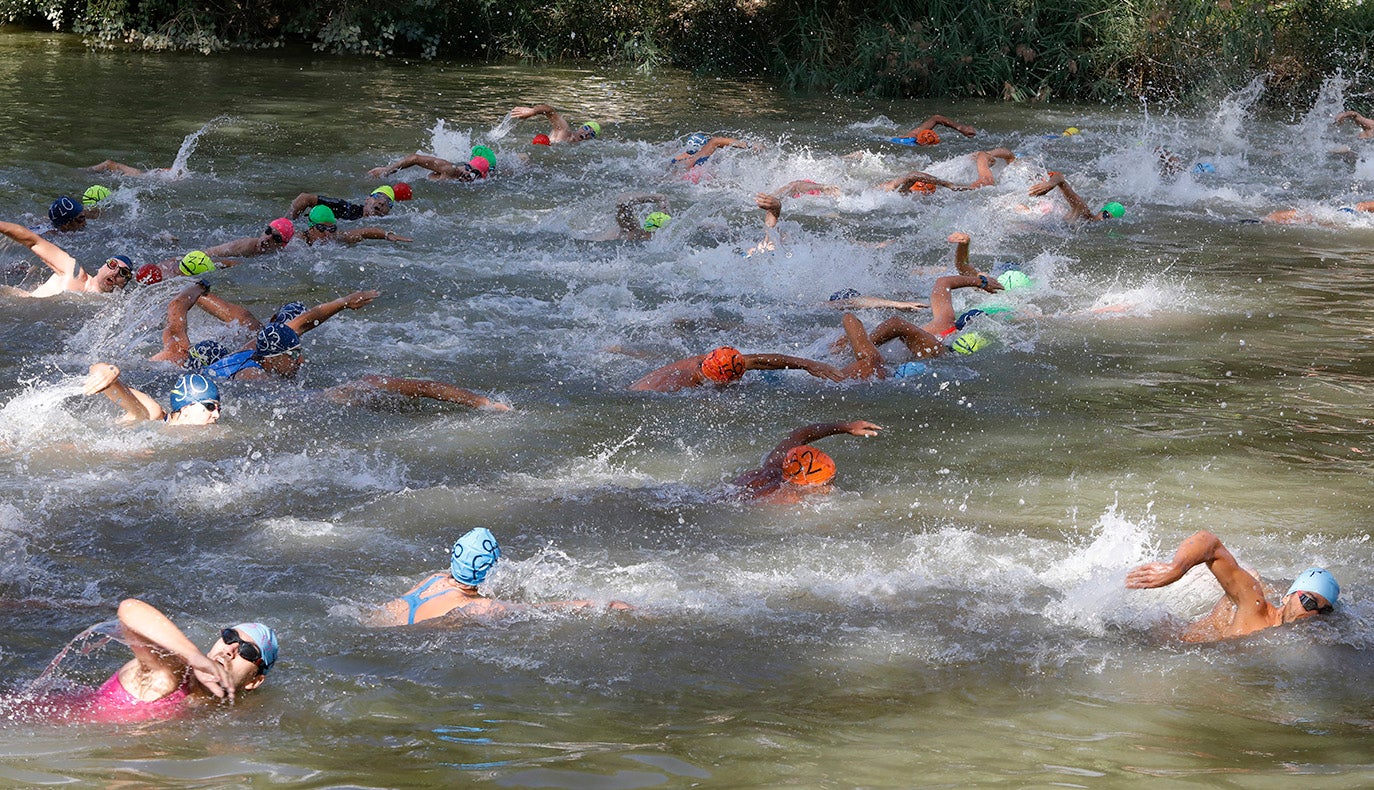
(64, 210)
(275, 339)
(193, 388)
(204, 354)
(844, 293)
(287, 312)
(966, 317)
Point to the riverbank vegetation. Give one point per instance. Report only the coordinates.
(1019, 50)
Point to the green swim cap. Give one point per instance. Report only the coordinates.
(195, 262)
(996, 309)
(594, 126)
(385, 190)
(970, 343)
(656, 220)
(322, 215)
(1013, 279)
(486, 153)
(1113, 209)
(94, 195)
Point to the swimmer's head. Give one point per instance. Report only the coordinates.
(844, 293)
(588, 131)
(403, 191)
(263, 638)
(322, 219)
(970, 343)
(696, 141)
(288, 312)
(204, 354)
(908, 370)
(122, 268)
(275, 339)
(723, 365)
(149, 274)
(473, 556)
(1316, 580)
(805, 465)
(1071, 131)
(94, 194)
(923, 187)
(1113, 210)
(284, 230)
(541, 139)
(1204, 169)
(927, 137)
(385, 191)
(656, 220)
(1012, 279)
(966, 316)
(481, 165)
(486, 153)
(195, 262)
(65, 212)
(192, 388)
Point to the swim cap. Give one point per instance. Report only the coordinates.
(594, 126)
(486, 153)
(804, 465)
(480, 164)
(193, 388)
(385, 191)
(322, 215)
(969, 343)
(195, 262)
(924, 187)
(149, 273)
(1316, 580)
(403, 191)
(1013, 279)
(288, 312)
(124, 259)
(541, 139)
(723, 365)
(844, 293)
(275, 339)
(656, 220)
(908, 370)
(1204, 168)
(965, 317)
(94, 194)
(204, 354)
(927, 137)
(285, 227)
(1114, 209)
(1071, 131)
(62, 211)
(266, 640)
(473, 556)
(696, 141)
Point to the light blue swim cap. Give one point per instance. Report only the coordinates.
(193, 388)
(1316, 580)
(473, 556)
(265, 638)
(1204, 168)
(696, 141)
(908, 370)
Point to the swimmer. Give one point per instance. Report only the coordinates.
(169, 674)
(274, 238)
(725, 365)
(772, 214)
(476, 168)
(1078, 209)
(69, 216)
(378, 204)
(324, 229)
(68, 276)
(119, 168)
(984, 160)
(629, 226)
(1245, 608)
(559, 129)
(194, 398)
(455, 591)
(1366, 125)
(924, 132)
(1292, 216)
(795, 468)
(850, 299)
(700, 147)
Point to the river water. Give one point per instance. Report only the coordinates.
(952, 614)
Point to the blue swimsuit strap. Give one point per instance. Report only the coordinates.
(414, 601)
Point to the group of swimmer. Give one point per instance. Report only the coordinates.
(168, 671)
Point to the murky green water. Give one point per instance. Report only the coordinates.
(952, 615)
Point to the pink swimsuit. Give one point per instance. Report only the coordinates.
(113, 703)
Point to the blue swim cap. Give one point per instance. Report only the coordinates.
(275, 339)
(696, 141)
(1347, 209)
(265, 638)
(908, 370)
(844, 293)
(204, 354)
(1316, 580)
(193, 388)
(1204, 168)
(64, 210)
(966, 317)
(474, 554)
(288, 312)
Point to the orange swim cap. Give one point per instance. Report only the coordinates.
(807, 466)
(927, 137)
(723, 365)
(924, 187)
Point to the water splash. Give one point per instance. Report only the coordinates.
(188, 146)
(1233, 113)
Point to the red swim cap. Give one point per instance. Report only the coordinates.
(807, 466)
(927, 137)
(481, 165)
(285, 227)
(723, 365)
(402, 191)
(149, 273)
(540, 139)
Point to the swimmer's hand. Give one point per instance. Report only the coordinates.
(1153, 574)
(862, 428)
(359, 299)
(214, 676)
(1046, 186)
(989, 284)
(521, 113)
(101, 376)
(619, 606)
(824, 371)
(380, 172)
(770, 203)
(391, 236)
(958, 238)
(496, 405)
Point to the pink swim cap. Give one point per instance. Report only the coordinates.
(481, 165)
(285, 227)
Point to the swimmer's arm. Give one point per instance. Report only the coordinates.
(961, 264)
(803, 187)
(323, 312)
(51, 254)
(228, 312)
(138, 406)
(942, 300)
(161, 647)
(1241, 587)
(815, 432)
(785, 362)
(303, 203)
(432, 163)
(355, 236)
(613, 606)
(555, 119)
(1363, 122)
(874, 303)
(176, 341)
(625, 210)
